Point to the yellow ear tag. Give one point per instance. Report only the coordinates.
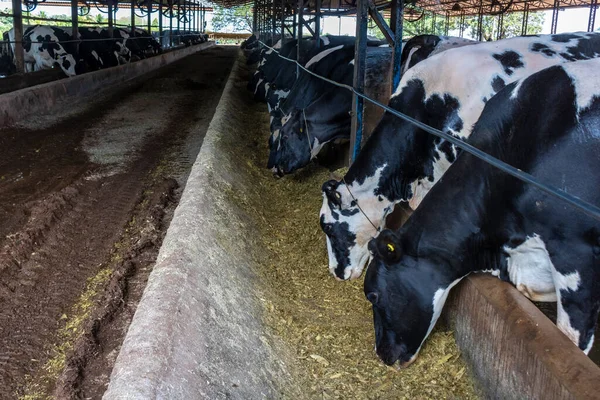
(391, 247)
(301, 130)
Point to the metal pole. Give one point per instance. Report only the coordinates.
(75, 24)
(110, 19)
(318, 20)
(462, 24)
(282, 22)
(300, 26)
(18, 29)
(447, 26)
(160, 21)
(132, 17)
(555, 11)
(592, 19)
(149, 16)
(170, 23)
(525, 19)
(360, 56)
(396, 22)
(178, 22)
(500, 26)
(254, 16)
(480, 22)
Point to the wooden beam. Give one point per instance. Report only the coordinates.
(397, 26)
(74, 23)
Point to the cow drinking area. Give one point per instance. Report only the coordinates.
(242, 293)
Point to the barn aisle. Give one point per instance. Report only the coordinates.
(86, 196)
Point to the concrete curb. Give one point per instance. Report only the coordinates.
(25, 102)
(514, 350)
(197, 332)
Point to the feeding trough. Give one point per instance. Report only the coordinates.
(241, 305)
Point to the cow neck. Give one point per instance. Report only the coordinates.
(327, 117)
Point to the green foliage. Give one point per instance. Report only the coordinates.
(234, 19)
(511, 25)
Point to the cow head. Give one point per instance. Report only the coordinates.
(350, 217)
(407, 294)
(294, 150)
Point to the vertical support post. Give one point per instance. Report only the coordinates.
(132, 17)
(160, 21)
(149, 16)
(480, 22)
(360, 58)
(447, 24)
(500, 26)
(555, 11)
(525, 19)
(397, 25)
(273, 22)
(433, 18)
(300, 34)
(282, 22)
(255, 17)
(111, 14)
(75, 24)
(318, 20)
(18, 29)
(592, 18)
(178, 22)
(462, 24)
(171, 5)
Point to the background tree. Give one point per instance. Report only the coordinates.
(234, 19)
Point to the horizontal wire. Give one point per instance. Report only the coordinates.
(587, 208)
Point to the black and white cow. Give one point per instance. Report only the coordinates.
(44, 47)
(400, 163)
(478, 218)
(326, 117)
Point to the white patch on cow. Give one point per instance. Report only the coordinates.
(257, 85)
(325, 40)
(384, 45)
(410, 54)
(351, 62)
(285, 119)
(571, 283)
(530, 269)
(589, 346)
(276, 134)
(439, 299)
(277, 45)
(587, 87)
(322, 55)
(358, 224)
(315, 148)
(95, 55)
(421, 187)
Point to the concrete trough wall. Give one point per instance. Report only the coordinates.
(26, 102)
(198, 333)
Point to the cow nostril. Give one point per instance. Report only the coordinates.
(373, 297)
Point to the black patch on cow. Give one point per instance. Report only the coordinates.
(542, 48)
(585, 48)
(564, 37)
(498, 84)
(341, 241)
(510, 60)
(66, 63)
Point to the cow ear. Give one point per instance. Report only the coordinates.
(386, 246)
(330, 190)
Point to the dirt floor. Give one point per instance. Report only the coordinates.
(86, 196)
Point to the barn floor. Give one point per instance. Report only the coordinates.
(86, 196)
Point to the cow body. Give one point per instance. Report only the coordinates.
(43, 49)
(299, 148)
(481, 219)
(400, 163)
